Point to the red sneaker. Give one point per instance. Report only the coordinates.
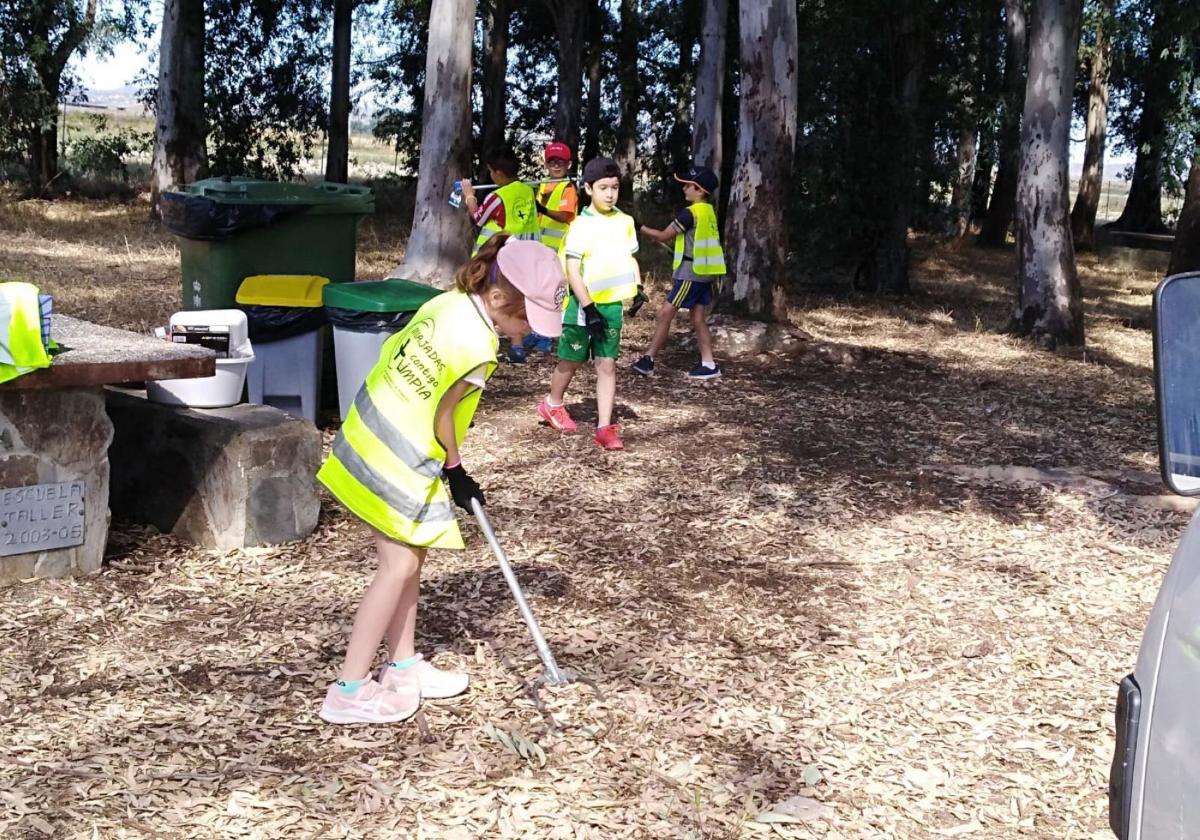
(556, 416)
(607, 437)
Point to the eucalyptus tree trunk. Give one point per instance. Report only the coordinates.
(595, 75)
(710, 85)
(337, 159)
(1091, 180)
(569, 19)
(756, 228)
(495, 73)
(1186, 254)
(686, 35)
(968, 130)
(631, 91)
(1049, 304)
(440, 235)
(180, 156)
(1004, 192)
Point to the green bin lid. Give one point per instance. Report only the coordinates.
(379, 296)
(320, 197)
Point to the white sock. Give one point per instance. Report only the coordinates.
(550, 402)
(707, 361)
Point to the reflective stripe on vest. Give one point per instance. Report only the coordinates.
(607, 266)
(707, 256)
(553, 231)
(520, 215)
(386, 462)
(21, 347)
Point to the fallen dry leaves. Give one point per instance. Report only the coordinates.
(798, 631)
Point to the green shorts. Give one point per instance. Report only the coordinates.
(576, 345)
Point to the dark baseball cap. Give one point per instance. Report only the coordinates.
(600, 167)
(702, 177)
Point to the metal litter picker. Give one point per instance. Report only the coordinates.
(553, 675)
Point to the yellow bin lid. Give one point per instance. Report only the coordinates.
(298, 290)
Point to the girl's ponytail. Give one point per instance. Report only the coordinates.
(475, 275)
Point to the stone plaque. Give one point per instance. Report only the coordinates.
(41, 517)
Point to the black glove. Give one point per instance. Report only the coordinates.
(463, 488)
(542, 208)
(594, 323)
(639, 300)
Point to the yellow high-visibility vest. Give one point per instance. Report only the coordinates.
(21, 347)
(604, 244)
(552, 231)
(386, 462)
(520, 215)
(707, 256)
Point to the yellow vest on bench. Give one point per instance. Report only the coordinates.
(21, 347)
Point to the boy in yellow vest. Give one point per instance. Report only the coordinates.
(699, 262)
(557, 205)
(602, 272)
(510, 208)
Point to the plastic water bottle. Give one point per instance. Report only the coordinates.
(456, 197)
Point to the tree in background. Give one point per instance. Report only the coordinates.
(1186, 254)
(337, 157)
(494, 55)
(1091, 179)
(756, 230)
(180, 154)
(1004, 191)
(626, 154)
(37, 42)
(569, 17)
(1049, 306)
(441, 233)
(710, 86)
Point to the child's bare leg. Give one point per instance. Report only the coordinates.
(563, 373)
(703, 336)
(662, 329)
(606, 390)
(402, 629)
(399, 568)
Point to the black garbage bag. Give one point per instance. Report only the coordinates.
(198, 217)
(354, 320)
(275, 323)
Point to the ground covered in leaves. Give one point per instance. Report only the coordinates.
(800, 627)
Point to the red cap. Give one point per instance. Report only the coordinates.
(558, 150)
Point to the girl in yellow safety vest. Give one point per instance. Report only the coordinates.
(401, 441)
(699, 263)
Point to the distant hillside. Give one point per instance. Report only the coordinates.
(122, 98)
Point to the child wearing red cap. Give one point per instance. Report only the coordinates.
(402, 439)
(699, 263)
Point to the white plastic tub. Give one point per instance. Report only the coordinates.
(217, 391)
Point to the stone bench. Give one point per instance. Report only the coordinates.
(54, 438)
(220, 477)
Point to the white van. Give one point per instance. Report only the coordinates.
(1154, 785)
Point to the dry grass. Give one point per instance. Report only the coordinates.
(776, 598)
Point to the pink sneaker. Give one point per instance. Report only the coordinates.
(607, 437)
(433, 683)
(556, 416)
(369, 703)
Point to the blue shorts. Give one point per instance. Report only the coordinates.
(685, 294)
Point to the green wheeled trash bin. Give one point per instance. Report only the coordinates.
(234, 228)
(363, 316)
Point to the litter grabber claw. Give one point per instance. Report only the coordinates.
(553, 674)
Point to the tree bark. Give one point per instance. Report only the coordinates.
(1143, 207)
(1091, 179)
(495, 74)
(1186, 254)
(631, 88)
(964, 184)
(180, 156)
(1049, 304)
(337, 160)
(569, 19)
(756, 230)
(710, 86)
(968, 131)
(1004, 192)
(990, 85)
(440, 235)
(686, 35)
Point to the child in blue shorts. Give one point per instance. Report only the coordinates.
(699, 264)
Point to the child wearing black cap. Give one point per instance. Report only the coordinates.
(699, 262)
(602, 273)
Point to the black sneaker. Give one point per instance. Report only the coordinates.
(644, 366)
(703, 371)
(517, 354)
